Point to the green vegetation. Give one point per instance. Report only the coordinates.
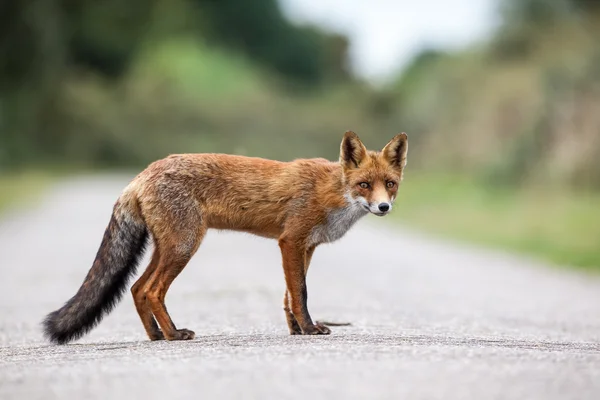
(519, 110)
(511, 125)
(508, 146)
(117, 83)
(22, 187)
(555, 225)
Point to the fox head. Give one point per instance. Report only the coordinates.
(372, 177)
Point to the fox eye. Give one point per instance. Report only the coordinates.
(390, 184)
(364, 185)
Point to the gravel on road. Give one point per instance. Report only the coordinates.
(430, 319)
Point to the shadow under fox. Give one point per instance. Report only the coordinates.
(175, 200)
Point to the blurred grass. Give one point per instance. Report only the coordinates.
(559, 226)
(201, 72)
(22, 188)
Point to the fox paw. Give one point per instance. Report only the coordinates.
(295, 331)
(182, 334)
(156, 335)
(316, 329)
(293, 326)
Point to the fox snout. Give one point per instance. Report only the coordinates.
(380, 208)
(384, 207)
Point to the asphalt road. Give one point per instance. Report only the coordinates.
(431, 320)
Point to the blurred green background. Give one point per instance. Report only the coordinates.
(504, 131)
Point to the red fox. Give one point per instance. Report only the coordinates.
(302, 204)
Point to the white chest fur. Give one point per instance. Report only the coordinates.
(337, 224)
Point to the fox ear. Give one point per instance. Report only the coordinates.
(395, 151)
(352, 151)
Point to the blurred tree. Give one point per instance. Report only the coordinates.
(337, 63)
(259, 29)
(517, 13)
(32, 55)
(523, 20)
(104, 35)
(586, 5)
(45, 44)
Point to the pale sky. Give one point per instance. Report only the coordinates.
(386, 34)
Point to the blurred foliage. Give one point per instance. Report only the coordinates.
(558, 226)
(104, 35)
(519, 110)
(22, 188)
(111, 83)
(88, 84)
(259, 30)
(507, 150)
(120, 83)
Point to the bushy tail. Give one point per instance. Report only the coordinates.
(122, 247)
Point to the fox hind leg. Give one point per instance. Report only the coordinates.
(174, 256)
(141, 301)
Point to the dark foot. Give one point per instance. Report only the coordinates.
(157, 335)
(182, 334)
(295, 330)
(316, 329)
(293, 324)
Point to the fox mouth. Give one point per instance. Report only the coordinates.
(380, 214)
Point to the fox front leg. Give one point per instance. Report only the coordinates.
(293, 326)
(294, 257)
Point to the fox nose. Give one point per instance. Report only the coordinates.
(384, 207)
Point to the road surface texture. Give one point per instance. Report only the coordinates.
(430, 320)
